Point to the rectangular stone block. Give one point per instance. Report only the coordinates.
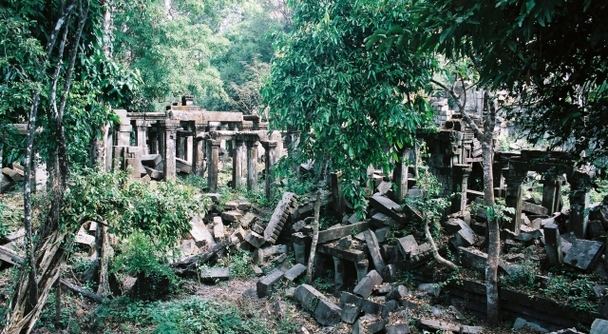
(295, 272)
(215, 274)
(584, 254)
(265, 284)
(407, 245)
(308, 297)
(327, 313)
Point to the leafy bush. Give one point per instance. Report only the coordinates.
(576, 292)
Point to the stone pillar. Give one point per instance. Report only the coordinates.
(124, 133)
(553, 244)
(237, 163)
(338, 273)
(459, 187)
(515, 177)
(269, 159)
(214, 158)
(336, 195)
(580, 185)
(361, 267)
(400, 174)
(190, 149)
(169, 128)
(551, 194)
(142, 134)
(252, 164)
(300, 243)
(198, 156)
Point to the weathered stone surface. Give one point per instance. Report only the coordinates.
(386, 206)
(599, 326)
(339, 231)
(380, 219)
(472, 258)
(367, 306)
(407, 245)
(397, 329)
(374, 250)
(584, 254)
(431, 289)
(521, 323)
(595, 229)
(390, 273)
(200, 233)
(365, 287)
(350, 313)
(382, 234)
(248, 219)
(188, 247)
(384, 187)
(215, 274)
(534, 209)
(219, 232)
(183, 166)
(553, 244)
(325, 312)
(398, 293)
(353, 219)
(602, 307)
(255, 239)
(232, 216)
(448, 326)
(82, 237)
(261, 254)
(9, 256)
(296, 271)
(454, 225)
(151, 160)
(286, 207)
(350, 254)
(464, 237)
(265, 284)
(368, 324)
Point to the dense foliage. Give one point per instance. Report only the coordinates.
(350, 106)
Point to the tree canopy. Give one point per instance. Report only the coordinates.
(350, 105)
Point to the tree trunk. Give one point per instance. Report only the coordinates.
(310, 271)
(103, 247)
(443, 261)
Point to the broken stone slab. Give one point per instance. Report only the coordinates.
(188, 247)
(255, 239)
(325, 312)
(431, 289)
(82, 237)
(386, 206)
(287, 205)
(595, 229)
(534, 209)
(398, 293)
(521, 323)
(599, 326)
(448, 326)
(151, 160)
(584, 254)
(374, 250)
(365, 287)
(473, 258)
(232, 216)
(219, 232)
(353, 219)
(266, 283)
(454, 225)
(296, 271)
(215, 274)
(367, 306)
(350, 254)
(183, 166)
(407, 245)
(261, 254)
(464, 237)
(339, 231)
(350, 313)
(200, 233)
(384, 187)
(382, 234)
(380, 219)
(345, 242)
(248, 219)
(12, 174)
(397, 329)
(390, 273)
(368, 324)
(154, 173)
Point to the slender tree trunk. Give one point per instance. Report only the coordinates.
(310, 271)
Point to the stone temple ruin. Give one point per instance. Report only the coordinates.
(365, 256)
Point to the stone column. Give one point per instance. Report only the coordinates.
(580, 185)
(551, 193)
(400, 174)
(270, 159)
(169, 129)
(336, 195)
(459, 187)
(198, 156)
(338, 273)
(515, 177)
(361, 267)
(237, 163)
(214, 158)
(252, 164)
(124, 133)
(190, 149)
(142, 131)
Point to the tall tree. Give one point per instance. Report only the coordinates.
(350, 106)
